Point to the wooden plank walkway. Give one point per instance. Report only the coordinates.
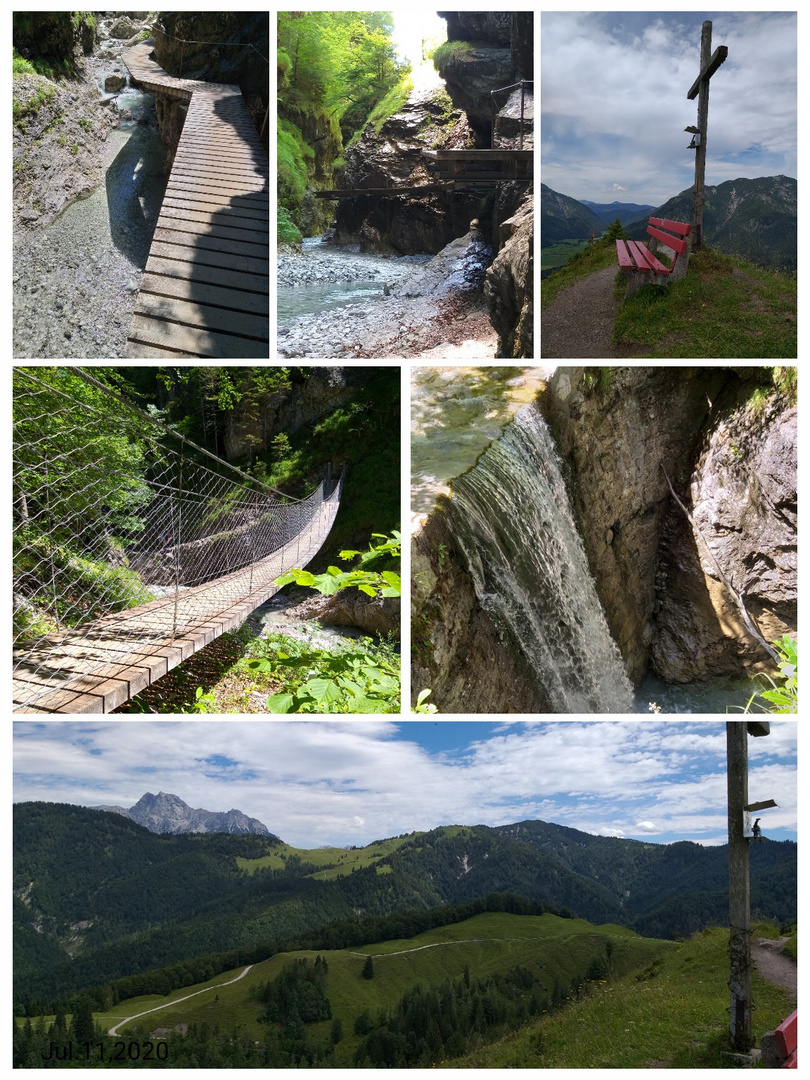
(205, 289)
(97, 667)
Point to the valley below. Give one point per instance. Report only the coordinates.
(242, 951)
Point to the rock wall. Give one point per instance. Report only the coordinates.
(509, 284)
(744, 505)
(619, 428)
(306, 401)
(392, 157)
(499, 51)
(219, 46)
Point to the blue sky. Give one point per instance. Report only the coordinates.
(340, 782)
(614, 102)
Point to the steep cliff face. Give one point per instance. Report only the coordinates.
(497, 51)
(392, 157)
(509, 284)
(306, 400)
(744, 508)
(664, 599)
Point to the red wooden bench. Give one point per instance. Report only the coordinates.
(639, 264)
(779, 1047)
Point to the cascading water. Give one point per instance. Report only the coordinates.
(512, 519)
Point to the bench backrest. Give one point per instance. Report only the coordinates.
(787, 1034)
(679, 228)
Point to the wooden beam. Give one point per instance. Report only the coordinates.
(718, 56)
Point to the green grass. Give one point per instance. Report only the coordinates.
(675, 1017)
(559, 254)
(557, 948)
(332, 862)
(724, 308)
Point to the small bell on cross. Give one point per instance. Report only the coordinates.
(695, 143)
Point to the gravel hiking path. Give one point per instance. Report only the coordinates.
(773, 965)
(113, 1032)
(578, 323)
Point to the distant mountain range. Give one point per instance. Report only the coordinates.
(753, 219)
(625, 212)
(98, 897)
(163, 813)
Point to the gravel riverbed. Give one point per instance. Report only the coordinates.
(76, 280)
(435, 309)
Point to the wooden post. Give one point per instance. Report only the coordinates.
(739, 887)
(709, 63)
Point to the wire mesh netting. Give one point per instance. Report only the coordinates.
(133, 547)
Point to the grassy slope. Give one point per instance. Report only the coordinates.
(560, 948)
(724, 308)
(675, 1017)
(334, 861)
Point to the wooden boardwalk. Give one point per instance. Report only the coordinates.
(97, 667)
(205, 289)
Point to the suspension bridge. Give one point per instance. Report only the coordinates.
(205, 291)
(133, 547)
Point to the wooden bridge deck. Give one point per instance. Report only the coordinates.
(97, 667)
(205, 289)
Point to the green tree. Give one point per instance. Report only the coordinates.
(368, 968)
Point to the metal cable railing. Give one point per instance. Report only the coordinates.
(128, 536)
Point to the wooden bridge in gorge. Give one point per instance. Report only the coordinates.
(205, 289)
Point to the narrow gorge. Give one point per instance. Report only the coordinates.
(559, 572)
(406, 212)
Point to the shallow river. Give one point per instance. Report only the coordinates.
(76, 280)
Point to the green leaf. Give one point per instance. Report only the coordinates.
(322, 691)
(281, 703)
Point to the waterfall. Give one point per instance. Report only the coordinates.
(513, 521)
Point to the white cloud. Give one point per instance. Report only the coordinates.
(603, 113)
(316, 782)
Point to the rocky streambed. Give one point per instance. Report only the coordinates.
(408, 307)
(88, 183)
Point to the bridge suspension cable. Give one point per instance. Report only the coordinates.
(133, 546)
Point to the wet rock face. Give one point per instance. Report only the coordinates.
(392, 157)
(616, 427)
(509, 284)
(744, 506)
(455, 648)
(666, 605)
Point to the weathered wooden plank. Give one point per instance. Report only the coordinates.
(204, 316)
(204, 241)
(193, 341)
(209, 257)
(187, 289)
(210, 275)
(203, 205)
(213, 220)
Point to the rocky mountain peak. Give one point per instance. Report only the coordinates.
(167, 813)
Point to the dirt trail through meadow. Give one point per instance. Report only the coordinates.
(578, 323)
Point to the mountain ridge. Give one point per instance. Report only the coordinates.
(753, 219)
(167, 813)
(98, 897)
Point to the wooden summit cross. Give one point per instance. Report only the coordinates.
(709, 63)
